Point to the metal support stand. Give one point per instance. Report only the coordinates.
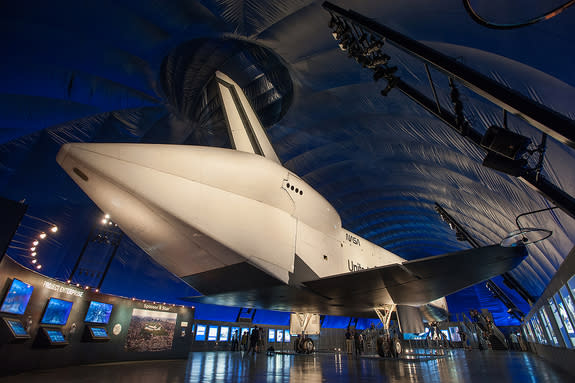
(384, 314)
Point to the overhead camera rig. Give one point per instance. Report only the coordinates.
(363, 39)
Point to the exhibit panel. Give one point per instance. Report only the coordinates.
(550, 324)
(210, 335)
(47, 323)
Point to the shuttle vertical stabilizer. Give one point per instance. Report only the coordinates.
(246, 131)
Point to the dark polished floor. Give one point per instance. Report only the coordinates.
(455, 366)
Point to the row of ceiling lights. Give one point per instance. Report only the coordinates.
(36, 243)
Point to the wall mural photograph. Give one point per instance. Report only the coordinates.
(151, 330)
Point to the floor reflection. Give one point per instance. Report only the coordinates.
(225, 366)
(454, 366)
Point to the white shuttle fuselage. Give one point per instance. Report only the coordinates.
(238, 226)
(196, 209)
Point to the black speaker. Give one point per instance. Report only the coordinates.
(505, 142)
(515, 168)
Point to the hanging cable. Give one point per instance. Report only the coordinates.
(546, 16)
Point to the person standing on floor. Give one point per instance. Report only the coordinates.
(254, 338)
(348, 342)
(235, 340)
(357, 342)
(244, 341)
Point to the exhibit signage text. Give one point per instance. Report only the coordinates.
(157, 307)
(63, 289)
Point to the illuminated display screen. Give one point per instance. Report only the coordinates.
(17, 327)
(279, 336)
(212, 333)
(201, 332)
(569, 305)
(98, 312)
(57, 312)
(55, 336)
(272, 335)
(530, 332)
(17, 298)
(571, 285)
(537, 329)
(454, 333)
(224, 334)
(99, 332)
(547, 325)
(287, 336)
(559, 322)
(565, 318)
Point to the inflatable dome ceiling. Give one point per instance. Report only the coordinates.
(132, 71)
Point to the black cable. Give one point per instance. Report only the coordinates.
(479, 20)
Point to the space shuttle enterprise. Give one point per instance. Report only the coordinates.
(245, 231)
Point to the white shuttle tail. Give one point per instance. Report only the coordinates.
(246, 131)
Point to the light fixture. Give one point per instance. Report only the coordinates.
(526, 235)
(39, 267)
(35, 243)
(97, 290)
(107, 216)
(68, 281)
(87, 287)
(504, 142)
(34, 260)
(33, 248)
(33, 254)
(54, 229)
(42, 235)
(104, 221)
(77, 285)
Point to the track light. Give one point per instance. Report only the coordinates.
(39, 267)
(505, 143)
(506, 165)
(54, 229)
(42, 235)
(35, 243)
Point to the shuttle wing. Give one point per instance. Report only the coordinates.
(419, 281)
